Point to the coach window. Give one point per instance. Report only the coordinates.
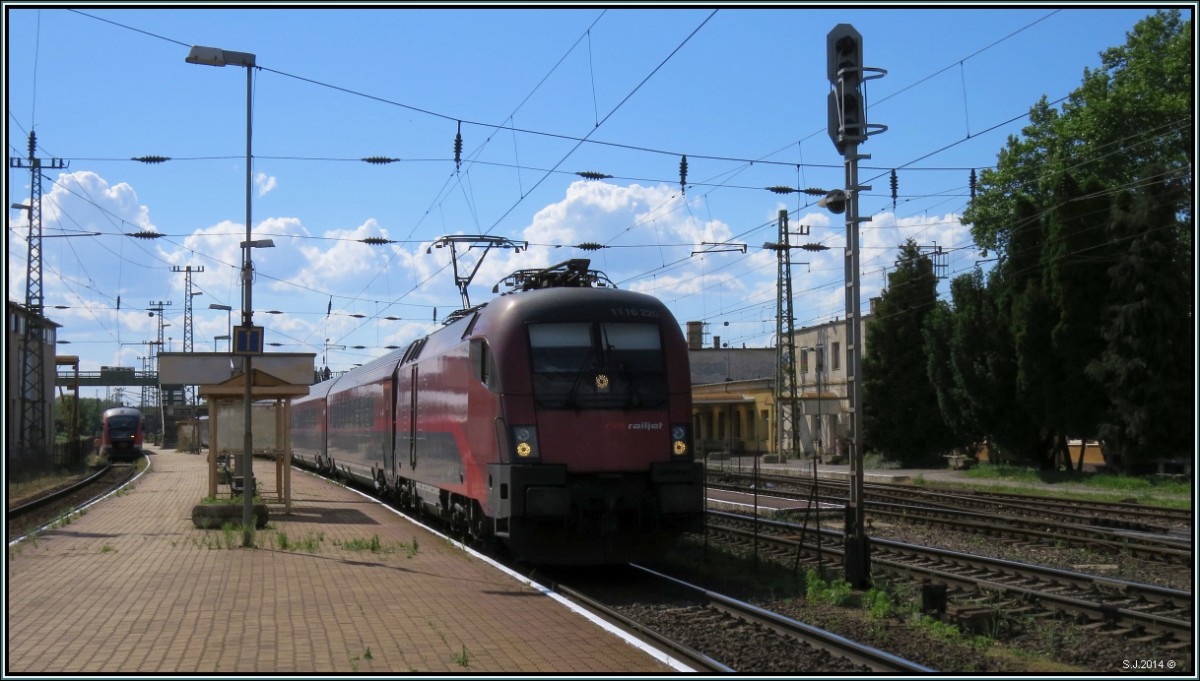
(482, 367)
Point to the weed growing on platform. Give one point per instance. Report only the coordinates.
(230, 531)
(371, 545)
(107, 548)
(374, 545)
(63, 521)
(366, 655)
(463, 658)
(310, 544)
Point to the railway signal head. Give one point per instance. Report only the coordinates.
(847, 112)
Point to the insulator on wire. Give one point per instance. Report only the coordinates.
(458, 148)
(972, 184)
(895, 183)
(683, 174)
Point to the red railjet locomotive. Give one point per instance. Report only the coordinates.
(554, 419)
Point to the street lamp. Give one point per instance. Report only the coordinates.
(228, 323)
(213, 56)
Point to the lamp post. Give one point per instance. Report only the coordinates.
(212, 56)
(228, 323)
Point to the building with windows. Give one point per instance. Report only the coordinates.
(15, 399)
(733, 394)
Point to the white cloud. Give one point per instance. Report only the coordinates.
(265, 183)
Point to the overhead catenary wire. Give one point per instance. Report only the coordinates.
(514, 130)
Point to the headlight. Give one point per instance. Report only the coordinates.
(524, 440)
(681, 442)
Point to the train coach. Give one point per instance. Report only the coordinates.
(122, 434)
(554, 420)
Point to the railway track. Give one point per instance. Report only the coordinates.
(49, 508)
(710, 632)
(1116, 515)
(1141, 612)
(1136, 538)
(714, 632)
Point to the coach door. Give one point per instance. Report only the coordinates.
(406, 406)
(412, 419)
(406, 402)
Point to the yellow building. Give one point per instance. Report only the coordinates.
(733, 394)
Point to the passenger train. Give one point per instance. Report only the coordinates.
(554, 420)
(122, 434)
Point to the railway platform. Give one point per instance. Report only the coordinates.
(341, 585)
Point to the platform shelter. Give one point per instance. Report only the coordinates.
(281, 378)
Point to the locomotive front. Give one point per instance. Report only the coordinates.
(597, 465)
(122, 433)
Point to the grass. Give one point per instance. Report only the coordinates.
(310, 544)
(229, 501)
(354, 659)
(834, 592)
(373, 545)
(1109, 487)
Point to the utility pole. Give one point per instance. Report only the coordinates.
(158, 306)
(32, 434)
(188, 391)
(146, 389)
(848, 128)
(786, 436)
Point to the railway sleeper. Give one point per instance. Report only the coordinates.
(974, 619)
(1160, 637)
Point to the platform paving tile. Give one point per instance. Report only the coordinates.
(131, 586)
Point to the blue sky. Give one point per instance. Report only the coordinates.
(539, 95)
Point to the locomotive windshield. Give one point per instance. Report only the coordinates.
(583, 365)
(122, 423)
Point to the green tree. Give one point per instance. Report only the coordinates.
(1024, 312)
(953, 399)
(1133, 113)
(1069, 290)
(977, 387)
(1147, 365)
(90, 411)
(1078, 254)
(901, 419)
